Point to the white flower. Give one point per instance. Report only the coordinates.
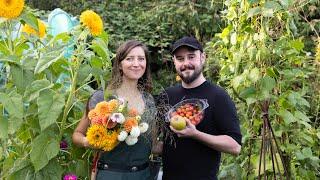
(143, 127)
(121, 107)
(121, 101)
(117, 117)
(138, 118)
(135, 131)
(131, 140)
(122, 136)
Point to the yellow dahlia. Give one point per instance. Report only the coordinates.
(11, 8)
(29, 30)
(318, 51)
(96, 136)
(92, 21)
(111, 140)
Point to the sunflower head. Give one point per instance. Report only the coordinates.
(29, 30)
(11, 8)
(111, 140)
(96, 136)
(92, 21)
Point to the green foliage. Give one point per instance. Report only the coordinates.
(262, 58)
(38, 109)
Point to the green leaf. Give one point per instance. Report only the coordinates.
(271, 72)
(248, 92)
(4, 49)
(52, 171)
(272, 5)
(21, 78)
(47, 59)
(44, 148)
(267, 83)
(302, 116)
(287, 116)
(254, 75)
(3, 124)
(22, 169)
(81, 168)
(254, 11)
(100, 47)
(50, 105)
(30, 19)
(14, 105)
(297, 44)
(83, 73)
(33, 90)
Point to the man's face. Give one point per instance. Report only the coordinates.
(188, 63)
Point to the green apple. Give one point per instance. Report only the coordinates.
(178, 122)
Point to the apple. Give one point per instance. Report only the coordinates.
(178, 122)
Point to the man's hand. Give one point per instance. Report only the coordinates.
(189, 131)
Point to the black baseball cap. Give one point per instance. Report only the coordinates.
(187, 41)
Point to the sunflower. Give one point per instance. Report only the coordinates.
(111, 140)
(92, 21)
(129, 123)
(11, 8)
(96, 136)
(29, 30)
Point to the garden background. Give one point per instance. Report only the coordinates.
(266, 54)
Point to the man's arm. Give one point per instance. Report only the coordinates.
(222, 143)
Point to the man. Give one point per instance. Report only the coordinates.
(196, 153)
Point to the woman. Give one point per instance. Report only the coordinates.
(131, 80)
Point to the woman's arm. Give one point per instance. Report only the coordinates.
(78, 136)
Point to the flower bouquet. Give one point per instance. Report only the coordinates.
(112, 122)
(192, 109)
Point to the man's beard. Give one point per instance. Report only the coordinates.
(190, 78)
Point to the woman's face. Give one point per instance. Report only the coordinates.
(134, 64)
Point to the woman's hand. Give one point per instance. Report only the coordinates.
(85, 142)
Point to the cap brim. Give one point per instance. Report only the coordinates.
(173, 50)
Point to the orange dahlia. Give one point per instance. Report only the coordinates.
(129, 123)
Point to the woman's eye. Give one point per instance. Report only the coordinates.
(129, 59)
(141, 59)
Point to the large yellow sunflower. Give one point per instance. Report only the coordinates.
(29, 30)
(96, 136)
(93, 21)
(11, 8)
(111, 140)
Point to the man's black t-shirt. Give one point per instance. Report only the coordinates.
(190, 159)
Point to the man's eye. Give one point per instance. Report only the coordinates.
(191, 57)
